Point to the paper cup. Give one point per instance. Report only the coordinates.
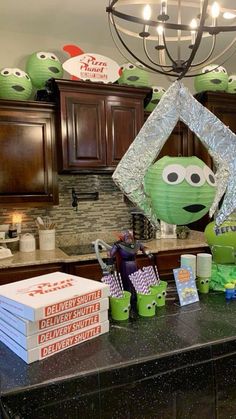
(120, 307)
(204, 265)
(47, 239)
(189, 261)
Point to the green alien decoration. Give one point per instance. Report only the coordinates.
(157, 93)
(232, 84)
(14, 84)
(42, 66)
(180, 189)
(134, 75)
(213, 78)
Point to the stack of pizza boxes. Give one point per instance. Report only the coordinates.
(46, 314)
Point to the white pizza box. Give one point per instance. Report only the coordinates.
(28, 327)
(41, 338)
(44, 351)
(50, 294)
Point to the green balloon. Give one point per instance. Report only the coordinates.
(213, 78)
(224, 235)
(157, 93)
(134, 75)
(14, 84)
(42, 66)
(232, 84)
(180, 189)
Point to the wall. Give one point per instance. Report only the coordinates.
(94, 218)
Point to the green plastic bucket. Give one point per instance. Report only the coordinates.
(160, 293)
(120, 307)
(146, 304)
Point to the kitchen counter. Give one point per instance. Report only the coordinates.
(180, 364)
(195, 240)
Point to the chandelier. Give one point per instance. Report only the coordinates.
(173, 37)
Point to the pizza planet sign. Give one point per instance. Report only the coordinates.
(93, 67)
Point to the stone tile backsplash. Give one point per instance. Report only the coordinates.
(100, 218)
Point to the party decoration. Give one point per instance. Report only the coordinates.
(181, 189)
(15, 84)
(42, 66)
(90, 66)
(231, 88)
(157, 93)
(223, 235)
(213, 78)
(186, 285)
(178, 103)
(134, 75)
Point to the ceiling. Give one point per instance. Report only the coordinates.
(28, 25)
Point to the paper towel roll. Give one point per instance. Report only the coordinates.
(190, 261)
(204, 264)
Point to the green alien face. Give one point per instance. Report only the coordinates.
(213, 78)
(157, 93)
(134, 75)
(14, 84)
(180, 189)
(232, 84)
(42, 66)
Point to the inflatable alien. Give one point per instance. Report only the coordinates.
(231, 84)
(134, 75)
(157, 93)
(181, 189)
(213, 78)
(42, 66)
(14, 84)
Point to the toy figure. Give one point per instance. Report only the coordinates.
(15, 84)
(213, 78)
(42, 66)
(125, 251)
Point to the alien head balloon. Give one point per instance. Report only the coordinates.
(157, 93)
(42, 66)
(134, 75)
(14, 84)
(213, 78)
(181, 189)
(232, 84)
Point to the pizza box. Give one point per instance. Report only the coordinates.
(41, 338)
(28, 327)
(49, 349)
(50, 294)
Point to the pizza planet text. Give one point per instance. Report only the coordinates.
(72, 303)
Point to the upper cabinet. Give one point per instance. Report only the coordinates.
(28, 171)
(96, 123)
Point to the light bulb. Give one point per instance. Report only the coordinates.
(147, 11)
(160, 30)
(193, 24)
(215, 10)
(229, 15)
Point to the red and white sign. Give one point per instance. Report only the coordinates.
(93, 67)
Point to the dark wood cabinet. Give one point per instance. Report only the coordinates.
(28, 172)
(9, 275)
(96, 123)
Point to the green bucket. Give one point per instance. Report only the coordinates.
(160, 293)
(120, 307)
(146, 304)
(203, 285)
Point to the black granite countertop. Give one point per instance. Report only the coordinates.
(202, 328)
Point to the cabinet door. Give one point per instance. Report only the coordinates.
(9, 275)
(90, 270)
(124, 120)
(83, 142)
(27, 169)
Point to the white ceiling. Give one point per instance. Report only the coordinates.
(30, 25)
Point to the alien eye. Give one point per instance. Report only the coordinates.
(149, 306)
(154, 303)
(5, 72)
(202, 281)
(42, 55)
(131, 66)
(206, 281)
(53, 57)
(125, 310)
(140, 65)
(163, 293)
(159, 296)
(156, 90)
(129, 306)
(230, 80)
(173, 174)
(209, 175)
(26, 75)
(195, 175)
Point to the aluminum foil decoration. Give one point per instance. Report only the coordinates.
(214, 78)
(15, 84)
(181, 189)
(179, 104)
(42, 66)
(231, 84)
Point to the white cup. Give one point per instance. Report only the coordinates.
(204, 265)
(189, 261)
(47, 239)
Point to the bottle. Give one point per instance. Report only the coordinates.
(12, 232)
